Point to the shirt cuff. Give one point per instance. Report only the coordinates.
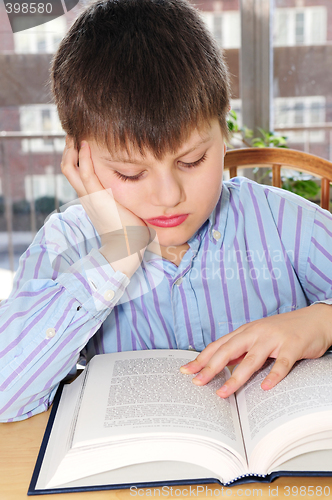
(94, 283)
(327, 301)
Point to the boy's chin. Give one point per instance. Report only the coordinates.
(169, 240)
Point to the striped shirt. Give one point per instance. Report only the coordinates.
(262, 251)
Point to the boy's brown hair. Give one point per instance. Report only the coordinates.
(139, 72)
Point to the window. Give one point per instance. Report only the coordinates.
(236, 140)
(225, 27)
(40, 118)
(301, 111)
(48, 184)
(47, 125)
(44, 38)
(236, 105)
(300, 26)
(217, 28)
(223, 19)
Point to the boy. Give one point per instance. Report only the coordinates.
(228, 269)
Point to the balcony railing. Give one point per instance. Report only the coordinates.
(20, 218)
(307, 144)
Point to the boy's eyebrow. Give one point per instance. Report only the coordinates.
(120, 159)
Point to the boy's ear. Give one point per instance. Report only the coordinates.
(225, 148)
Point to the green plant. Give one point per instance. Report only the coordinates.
(269, 139)
(244, 132)
(307, 188)
(46, 204)
(21, 207)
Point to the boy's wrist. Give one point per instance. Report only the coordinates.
(326, 315)
(128, 264)
(124, 249)
(126, 241)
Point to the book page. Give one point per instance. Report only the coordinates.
(314, 461)
(144, 392)
(302, 400)
(60, 439)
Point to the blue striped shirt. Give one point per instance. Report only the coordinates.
(263, 251)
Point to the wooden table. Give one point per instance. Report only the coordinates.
(19, 446)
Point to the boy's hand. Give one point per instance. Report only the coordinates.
(288, 337)
(108, 217)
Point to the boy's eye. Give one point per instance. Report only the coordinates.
(128, 178)
(136, 177)
(195, 163)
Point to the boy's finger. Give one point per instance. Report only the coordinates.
(236, 361)
(232, 350)
(87, 172)
(252, 362)
(203, 358)
(282, 366)
(69, 168)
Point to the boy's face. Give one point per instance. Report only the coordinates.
(186, 183)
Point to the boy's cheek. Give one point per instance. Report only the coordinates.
(119, 192)
(105, 178)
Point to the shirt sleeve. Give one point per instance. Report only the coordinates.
(63, 291)
(317, 280)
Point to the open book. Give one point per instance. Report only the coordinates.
(132, 418)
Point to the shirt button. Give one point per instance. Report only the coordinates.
(50, 332)
(109, 295)
(178, 281)
(216, 235)
(92, 284)
(190, 348)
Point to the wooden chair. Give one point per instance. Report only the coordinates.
(282, 157)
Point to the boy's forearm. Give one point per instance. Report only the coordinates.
(125, 250)
(29, 375)
(128, 265)
(72, 311)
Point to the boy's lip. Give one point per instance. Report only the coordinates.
(163, 217)
(170, 221)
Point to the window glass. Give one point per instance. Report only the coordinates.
(302, 37)
(223, 19)
(40, 118)
(299, 28)
(224, 26)
(41, 39)
(300, 25)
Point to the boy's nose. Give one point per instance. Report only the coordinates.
(168, 191)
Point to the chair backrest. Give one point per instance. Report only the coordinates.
(282, 157)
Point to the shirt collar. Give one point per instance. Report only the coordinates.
(216, 223)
